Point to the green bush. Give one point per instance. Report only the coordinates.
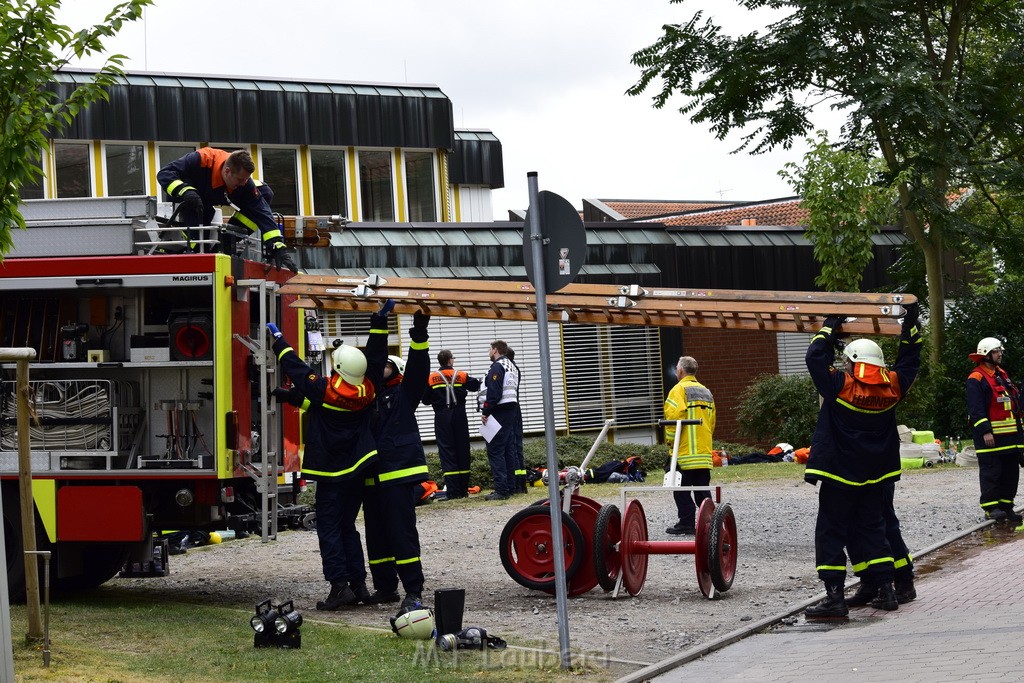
(571, 450)
(778, 408)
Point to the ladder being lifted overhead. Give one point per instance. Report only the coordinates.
(871, 314)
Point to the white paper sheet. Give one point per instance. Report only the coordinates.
(489, 429)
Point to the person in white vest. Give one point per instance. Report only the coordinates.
(502, 404)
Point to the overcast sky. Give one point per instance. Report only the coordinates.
(547, 77)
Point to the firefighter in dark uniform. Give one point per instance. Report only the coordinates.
(994, 406)
(502, 401)
(339, 452)
(446, 393)
(213, 177)
(855, 455)
(392, 541)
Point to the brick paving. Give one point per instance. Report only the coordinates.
(967, 624)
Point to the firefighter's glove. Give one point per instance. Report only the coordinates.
(194, 204)
(420, 320)
(274, 331)
(835, 322)
(912, 316)
(386, 307)
(283, 259)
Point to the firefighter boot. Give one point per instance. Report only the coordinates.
(340, 596)
(996, 514)
(359, 590)
(412, 601)
(380, 597)
(833, 606)
(886, 598)
(905, 591)
(866, 592)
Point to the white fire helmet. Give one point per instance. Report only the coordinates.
(350, 363)
(989, 344)
(864, 351)
(784, 448)
(398, 363)
(417, 624)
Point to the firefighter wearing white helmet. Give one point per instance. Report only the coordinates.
(864, 351)
(350, 363)
(339, 447)
(994, 409)
(855, 456)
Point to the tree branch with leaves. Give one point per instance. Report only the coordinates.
(34, 47)
(931, 85)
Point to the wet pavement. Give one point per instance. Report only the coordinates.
(967, 624)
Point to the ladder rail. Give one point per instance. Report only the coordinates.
(867, 313)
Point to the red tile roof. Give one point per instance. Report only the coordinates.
(775, 212)
(636, 209)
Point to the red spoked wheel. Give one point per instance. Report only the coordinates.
(527, 550)
(584, 512)
(607, 537)
(634, 565)
(700, 545)
(722, 547)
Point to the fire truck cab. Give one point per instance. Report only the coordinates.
(149, 397)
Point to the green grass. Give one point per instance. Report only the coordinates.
(113, 636)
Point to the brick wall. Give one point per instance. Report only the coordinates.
(728, 361)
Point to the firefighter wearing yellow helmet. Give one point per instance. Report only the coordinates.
(855, 456)
(994, 407)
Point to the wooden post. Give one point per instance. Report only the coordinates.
(28, 519)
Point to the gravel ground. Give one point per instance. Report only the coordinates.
(775, 522)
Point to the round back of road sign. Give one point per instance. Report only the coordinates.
(563, 240)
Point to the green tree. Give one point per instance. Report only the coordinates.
(847, 201)
(33, 46)
(933, 85)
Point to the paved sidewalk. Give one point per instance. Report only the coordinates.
(967, 624)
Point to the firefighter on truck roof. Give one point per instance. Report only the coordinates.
(213, 177)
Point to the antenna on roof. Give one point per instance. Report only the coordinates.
(721, 192)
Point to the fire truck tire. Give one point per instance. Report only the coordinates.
(14, 546)
(99, 562)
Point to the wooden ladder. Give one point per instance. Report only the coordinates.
(871, 314)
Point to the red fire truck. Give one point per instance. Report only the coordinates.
(150, 394)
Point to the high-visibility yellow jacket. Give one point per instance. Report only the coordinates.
(691, 400)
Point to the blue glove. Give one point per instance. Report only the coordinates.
(274, 332)
(386, 307)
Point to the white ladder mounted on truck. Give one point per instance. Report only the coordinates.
(867, 313)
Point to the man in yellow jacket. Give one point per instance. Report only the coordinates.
(690, 400)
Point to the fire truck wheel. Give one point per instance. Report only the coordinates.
(14, 546)
(99, 563)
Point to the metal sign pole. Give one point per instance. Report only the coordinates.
(537, 247)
